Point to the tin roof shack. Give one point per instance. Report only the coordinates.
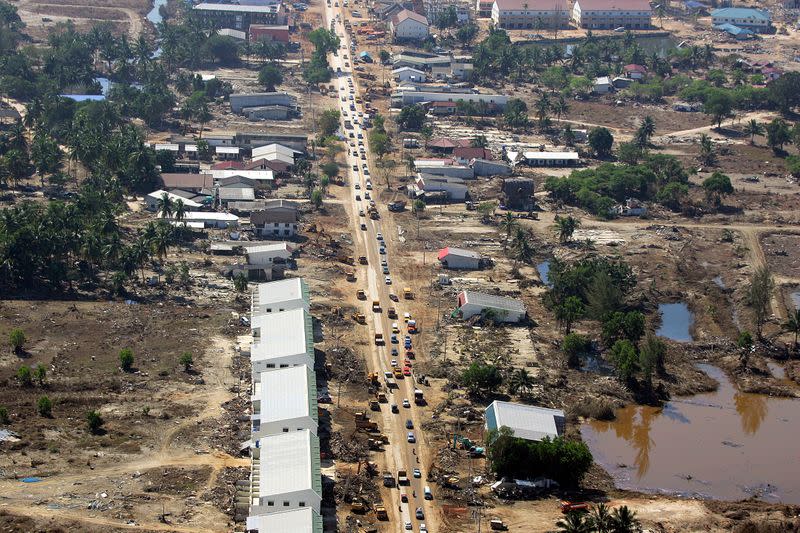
(527, 421)
(240, 102)
(286, 473)
(498, 308)
(278, 218)
(285, 400)
(281, 340)
(271, 33)
(547, 159)
(443, 168)
(276, 152)
(279, 296)
(459, 259)
(518, 194)
(305, 520)
(195, 183)
(152, 200)
(211, 220)
(225, 195)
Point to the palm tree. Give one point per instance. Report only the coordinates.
(707, 156)
(165, 206)
(508, 224)
(566, 226)
(574, 522)
(792, 325)
(522, 247)
(753, 128)
(623, 520)
(520, 381)
(560, 107)
(162, 240)
(600, 518)
(180, 210)
(542, 110)
(646, 130)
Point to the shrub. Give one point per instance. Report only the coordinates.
(40, 374)
(94, 421)
(596, 408)
(186, 360)
(4, 419)
(17, 339)
(44, 406)
(573, 346)
(25, 376)
(126, 359)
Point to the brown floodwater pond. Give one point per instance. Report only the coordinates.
(725, 445)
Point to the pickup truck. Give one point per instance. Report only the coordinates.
(388, 480)
(376, 306)
(379, 341)
(402, 477)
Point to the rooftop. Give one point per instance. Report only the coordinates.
(290, 462)
(283, 334)
(297, 521)
(278, 292)
(614, 5)
(174, 197)
(184, 180)
(210, 215)
(742, 13)
(494, 302)
(286, 393)
(532, 5)
(266, 248)
(236, 193)
(527, 421)
(238, 8)
(407, 14)
(450, 250)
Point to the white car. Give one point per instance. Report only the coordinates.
(394, 362)
(388, 280)
(411, 438)
(408, 526)
(423, 528)
(358, 186)
(407, 405)
(379, 236)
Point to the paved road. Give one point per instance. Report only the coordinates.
(400, 454)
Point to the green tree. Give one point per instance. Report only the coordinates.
(716, 186)
(569, 311)
(645, 132)
(759, 297)
(480, 378)
(17, 340)
(745, 344)
(165, 206)
(624, 358)
(655, 351)
(573, 346)
(94, 422)
(753, 128)
(486, 210)
(624, 520)
(379, 143)
(40, 374)
(719, 105)
(574, 522)
(4, 418)
(328, 122)
(44, 407)
(330, 169)
(126, 359)
(707, 155)
(270, 77)
(520, 381)
(417, 207)
(783, 91)
(601, 141)
(240, 282)
(384, 57)
(316, 198)
(411, 118)
(521, 247)
(466, 34)
(566, 226)
(778, 134)
(508, 224)
(186, 361)
(516, 113)
(554, 78)
(25, 376)
(600, 518)
(630, 153)
(792, 324)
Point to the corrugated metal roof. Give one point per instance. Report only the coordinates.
(279, 292)
(236, 193)
(527, 421)
(283, 334)
(290, 462)
(297, 521)
(451, 250)
(287, 393)
(741, 13)
(494, 302)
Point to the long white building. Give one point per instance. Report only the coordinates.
(305, 520)
(281, 340)
(278, 296)
(285, 400)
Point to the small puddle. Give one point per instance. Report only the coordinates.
(724, 445)
(544, 272)
(676, 319)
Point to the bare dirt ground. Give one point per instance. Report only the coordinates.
(40, 18)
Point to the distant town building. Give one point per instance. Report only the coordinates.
(530, 14)
(757, 20)
(409, 74)
(272, 33)
(602, 85)
(612, 14)
(483, 8)
(240, 17)
(278, 218)
(459, 258)
(500, 308)
(408, 25)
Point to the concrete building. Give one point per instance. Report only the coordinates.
(451, 171)
(267, 254)
(551, 159)
(281, 340)
(240, 101)
(278, 218)
(409, 26)
(602, 85)
(276, 152)
(634, 71)
(286, 473)
(257, 176)
(284, 400)
(427, 186)
(211, 219)
(151, 201)
(518, 193)
(279, 296)
(433, 8)
(240, 17)
(459, 259)
(483, 8)
(271, 33)
(225, 195)
(527, 421)
(485, 167)
(612, 14)
(500, 308)
(404, 74)
(305, 520)
(756, 20)
(530, 14)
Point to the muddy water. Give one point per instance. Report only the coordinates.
(676, 319)
(726, 445)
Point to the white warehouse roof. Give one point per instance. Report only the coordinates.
(282, 292)
(282, 334)
(494, 302)
(290, 462)
(527, 421)
(551, 155)
(286, 393)
(156, 195)
(297, 521)
(210, 215)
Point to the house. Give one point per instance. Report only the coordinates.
(550, 159)
(152, 200)
(277, 167)
(526, 421)
(443, 108)
(276, 152)
(304, 520)
(529, 14)
(267, 254)
(284, 400)
(459, 259)
(631, 208)
(518, 193)
(483, 8)
(756, 20)
(281, 340)
(433, 8)
(427, 186)
(240, 17)
(276, 218)
(634, 72)
(195, 183)
(257, 176)
(621, 83)
(211, 219)
(270, 33)
(240, 101)
(403, 74)
(602, 85)
(771, 73)
(485, 167)
(446, 145)
(740, 34)
(612, 14)
(285, 473)
(226, 195)
(237, 181)
(500, 308)
(463, 155)
(408, 25)
(387, 11)
(461, 67)
(228, 165)
(84, 97)
(254, 139)
(435, 168)
(220, 138)
(278, 296)
(236, 34)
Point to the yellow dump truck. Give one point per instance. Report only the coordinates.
(408, 294)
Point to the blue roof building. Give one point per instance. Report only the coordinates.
(756, 20)
(740, 33)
